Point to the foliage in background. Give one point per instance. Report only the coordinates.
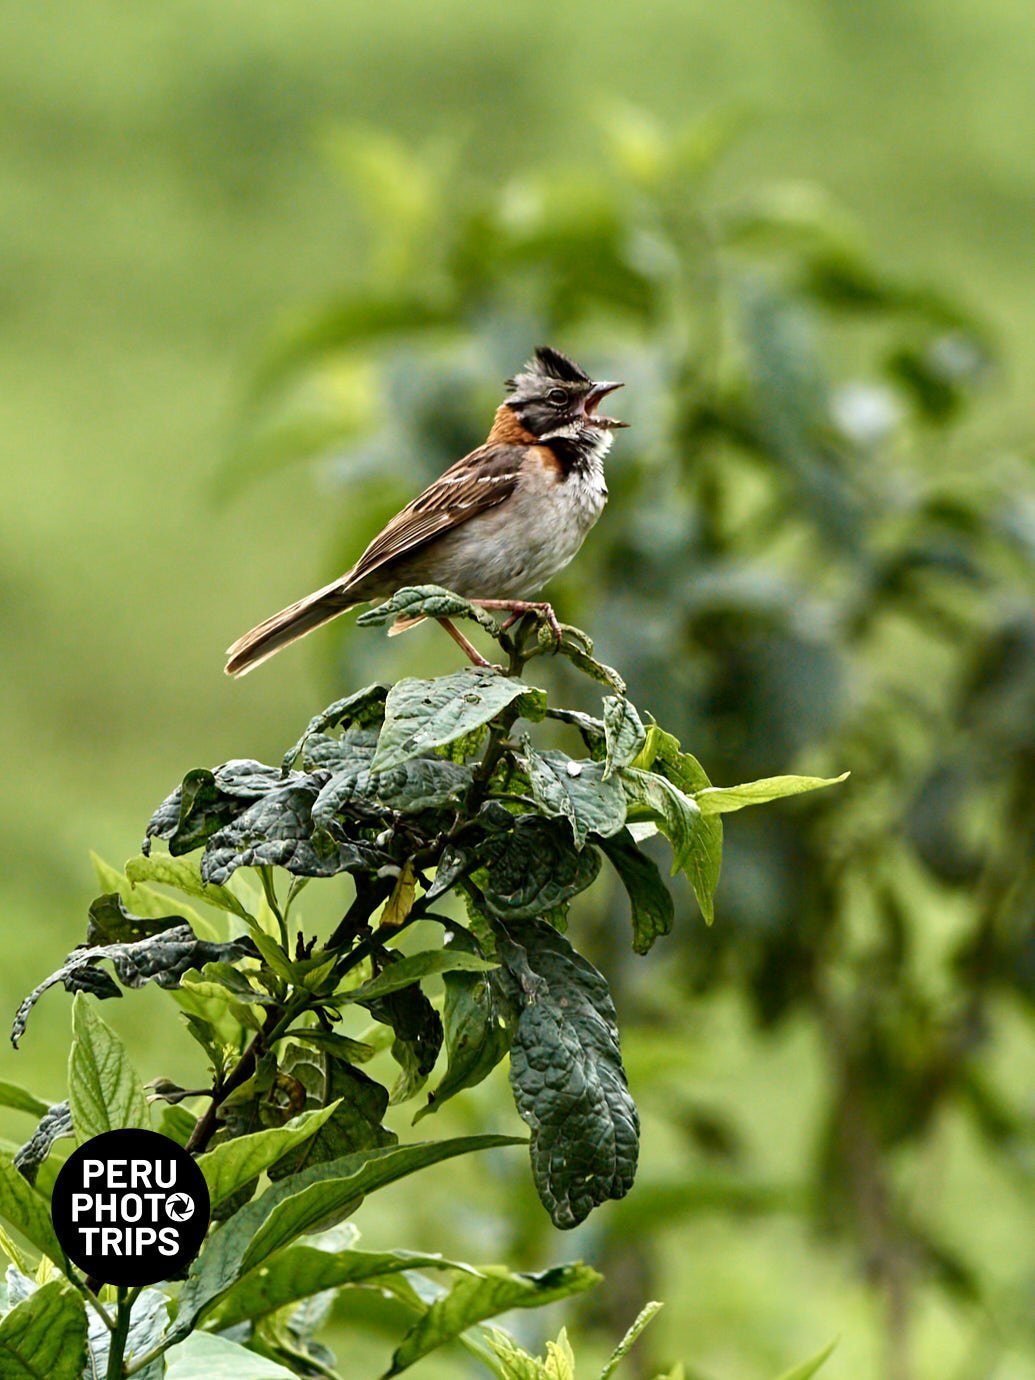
(802, 561)
(418, 792)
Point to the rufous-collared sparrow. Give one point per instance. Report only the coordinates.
(494, 528)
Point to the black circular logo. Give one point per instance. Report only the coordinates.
(130, 1207)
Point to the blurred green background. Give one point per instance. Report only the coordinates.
(262, 269)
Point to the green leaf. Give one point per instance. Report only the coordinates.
(422, 783)
(646, 1315)
(11, 1095)
(567, 1076)
(278, 831)
(577, 647)
(473, 1299)
(653, 911)
(715, 800)
(578, 791)
(696, 843)
(624, 734)
(317, 1197)
(301, 1271)
(423, 714)
(234, 1163)
(163, 958)
(809, 1368)
(55, 1124)
(145, 902)
(104, 1092)
(356, 1123)
(205, 1357)
(44, 1336)
(417, 1030)
(412, 968)
(534, 868)
(26, 1210)
(430, 600)
(362, 707)
(477, 1021)
(205, 801)
(185, 875)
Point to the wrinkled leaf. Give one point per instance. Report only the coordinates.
(578, 791)
(278, 831)
(430, 600)
(567, 1076)
(356, 1123)
(163, 959)
(535, 868)
(55, 1124)
(423, 714)
(412, 968)
(207, 800)
(624, 734)
(362, 707)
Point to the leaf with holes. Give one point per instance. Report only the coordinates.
(580, 792)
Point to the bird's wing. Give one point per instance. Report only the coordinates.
(479, 481)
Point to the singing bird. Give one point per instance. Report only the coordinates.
(494, 527)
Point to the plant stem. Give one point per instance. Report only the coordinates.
(117, 1349)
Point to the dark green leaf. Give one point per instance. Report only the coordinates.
(652, 909)
(363, 707)
(580, 792)
(417, 1027)
(360, 1104)
(430, 600)
(423, 714)
(535, 868)
(44, 1336)
(163, 959)
(278, 831)
(624, 734)
(478, 1019)
(55, 1124)
(111, 922)
(207, 800)
(567, 1076)
(423, 783)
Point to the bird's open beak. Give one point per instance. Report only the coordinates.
(594, 398)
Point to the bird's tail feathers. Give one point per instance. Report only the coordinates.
(287, 626)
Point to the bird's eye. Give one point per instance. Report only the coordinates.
(557, 397)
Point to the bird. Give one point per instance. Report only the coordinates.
(494, 528)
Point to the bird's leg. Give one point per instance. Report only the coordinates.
(518, 607)
(461, 641)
